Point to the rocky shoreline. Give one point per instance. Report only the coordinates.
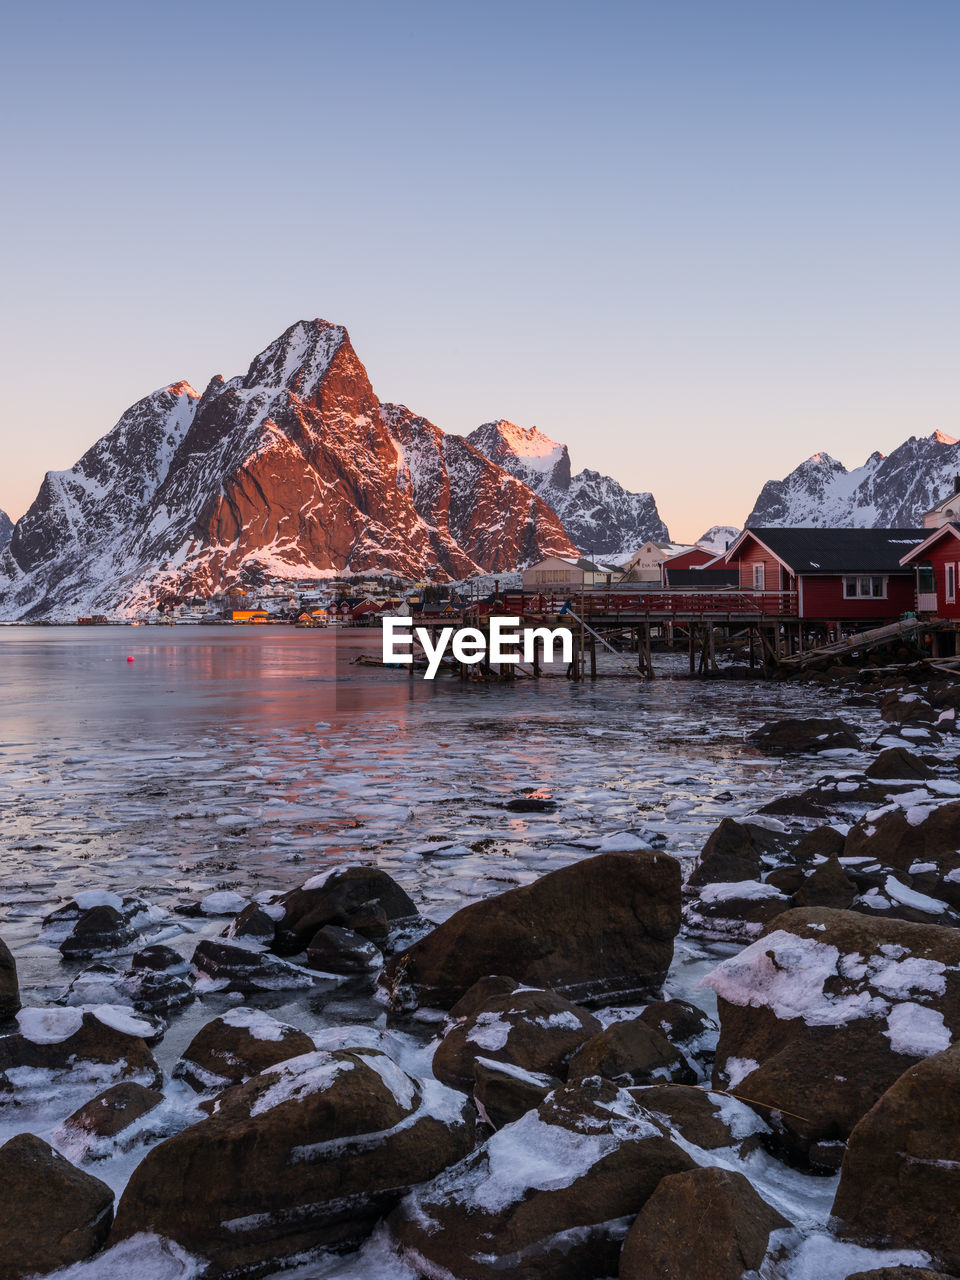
(512, 1091)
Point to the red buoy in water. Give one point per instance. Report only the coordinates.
(130, 658)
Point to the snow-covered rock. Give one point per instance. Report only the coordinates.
(601, 517)
(890, 492)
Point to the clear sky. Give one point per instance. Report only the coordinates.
(697, 240)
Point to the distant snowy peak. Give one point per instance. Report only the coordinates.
(719, 537)
(886, 492)
(6, 528)
(601, 517)
(525, 452)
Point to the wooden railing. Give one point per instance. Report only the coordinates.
(664, 601)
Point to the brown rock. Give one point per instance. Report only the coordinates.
(114, 1110)
(342, 951)
(53, 1213)
(246, 970)
(827, 886)
(821, 842)
(812, 1016)
(899, 762)
(898, 1182)
(631, 1052)
(600, 930)
(733, 852)
(541, 1199)
(504, 1093)
(112, 1053)
(252, 922)
(308, 1154)
(895, 842)
(483, 990)
(535, 1030)
(663, 1243)
(708, 1120)
(237, 1045)
(339, 899)
(684, 1024)
(793, 737)
(9, 987)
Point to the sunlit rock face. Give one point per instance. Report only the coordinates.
(293, 469)
(600, 515)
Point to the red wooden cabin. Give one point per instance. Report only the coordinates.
(692, 558)
(830, 574)
(936, 565)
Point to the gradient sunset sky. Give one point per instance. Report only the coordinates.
(697, 241)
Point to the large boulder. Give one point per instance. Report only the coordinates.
(794, 737)
(310, 1153)
(237, 1045)
(536, 1030)
(707, 1120)
(548, 1197)
(53, 1213)
(899, 1180)
(599, 931)
(244, 967)
(334, 949)
(820, 1016)
(631, 1052)
(897, 764)
(662, 1246)
(76, 1046)
(734, 851)
(9, 987)
(114, 1119)
(343, 896)
(899, 838)
(734, 910)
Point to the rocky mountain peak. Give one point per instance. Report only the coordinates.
(601, 517)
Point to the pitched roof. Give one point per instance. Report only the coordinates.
(951, 528)
(839, 550)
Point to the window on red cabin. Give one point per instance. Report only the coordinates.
(758, 576)
(865, 588)
(951, 583)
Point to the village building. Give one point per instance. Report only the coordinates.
(946, 510)
(936, 565)
(645, 563)
(556, 573)
(828, 574)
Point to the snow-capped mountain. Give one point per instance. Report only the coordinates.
(6, 528)
(601, 517)
(886, 492)
(292, 469)
(718, 537)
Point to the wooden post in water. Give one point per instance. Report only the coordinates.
(648, 651)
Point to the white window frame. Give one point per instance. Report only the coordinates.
(861, 586)
(950, 583)
(759, 576)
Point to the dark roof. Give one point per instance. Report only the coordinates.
(841, 550)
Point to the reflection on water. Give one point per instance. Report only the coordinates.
(247, 758)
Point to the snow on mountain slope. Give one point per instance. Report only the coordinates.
(601, 517)
(6, 529)
(293, 469)
(719, 537)
(886, 492)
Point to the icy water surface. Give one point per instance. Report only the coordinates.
(251, 759)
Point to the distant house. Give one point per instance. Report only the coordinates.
(644, 564)
(248, 615)
(936, 564)
(556, 573)
(946, 510)
(829, 574)
(690, 558)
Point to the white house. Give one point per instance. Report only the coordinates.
(946, 510)
(556, 573)
(644, 564)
